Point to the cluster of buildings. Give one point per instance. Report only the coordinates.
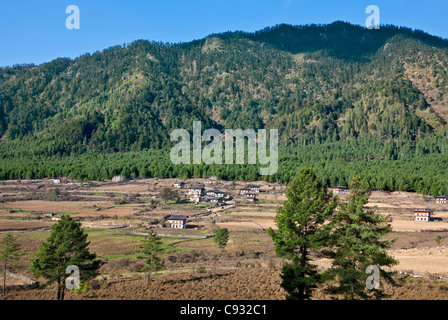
(198, 194)
(250, 193)
(195, 194)
(425, 214)
(419, 214)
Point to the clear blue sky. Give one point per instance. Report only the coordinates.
(34, 31)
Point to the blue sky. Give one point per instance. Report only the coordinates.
(34, 31)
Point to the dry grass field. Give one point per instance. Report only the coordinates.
(117, 215)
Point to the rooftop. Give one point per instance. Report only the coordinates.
(177, 217)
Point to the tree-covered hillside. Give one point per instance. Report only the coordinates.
(320, 85)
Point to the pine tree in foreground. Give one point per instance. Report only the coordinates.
(9, 252)
(66, 246)
(303, 230)
(357, 248)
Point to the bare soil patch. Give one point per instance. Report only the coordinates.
(16, 225)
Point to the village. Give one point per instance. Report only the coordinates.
(230, 204)
(186, 213)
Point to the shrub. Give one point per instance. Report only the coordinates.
(138, 266)
(172, 259)
(201, 269)
(95, 284)
(185, 258)
(83, 287)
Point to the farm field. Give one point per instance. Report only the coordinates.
(116, 217)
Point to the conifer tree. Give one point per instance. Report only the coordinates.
(302, 232)
(66, 246)
(221, 237)
(9, 252)
(151, 247)
(357, 243)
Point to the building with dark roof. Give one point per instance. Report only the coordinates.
(176, 221)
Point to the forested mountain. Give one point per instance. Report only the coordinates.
(320, 85)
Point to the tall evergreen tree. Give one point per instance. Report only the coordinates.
(66, 246)
(302, 231)
(357, 242)
(221, 238)
(151, 248)
(9, 252)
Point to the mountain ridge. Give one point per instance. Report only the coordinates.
(313, 83)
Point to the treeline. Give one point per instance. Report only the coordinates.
(389, 165)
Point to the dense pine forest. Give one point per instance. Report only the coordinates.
(346, 100)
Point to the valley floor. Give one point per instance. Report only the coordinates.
(116, 216)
